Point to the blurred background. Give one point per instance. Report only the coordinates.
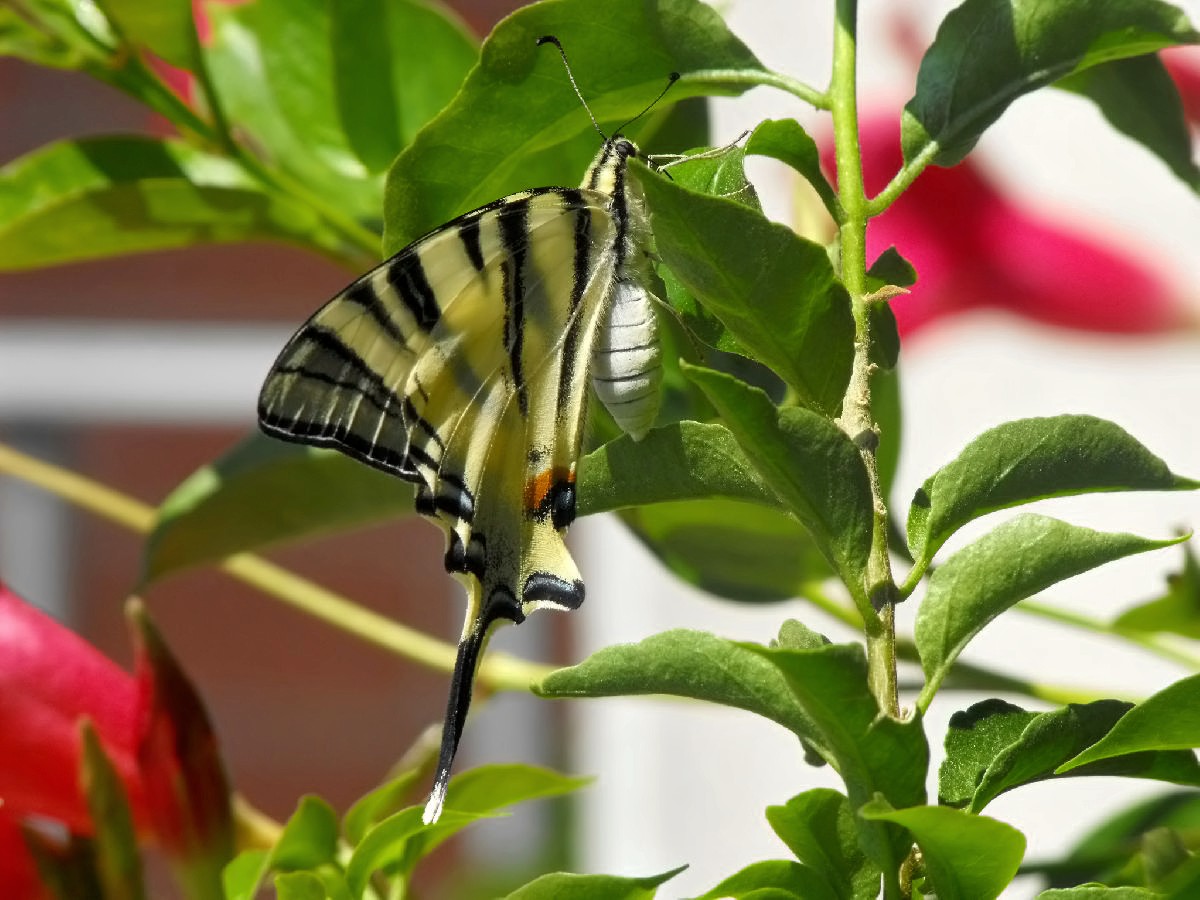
(137, 371)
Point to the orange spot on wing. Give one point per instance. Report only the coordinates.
(538, 487)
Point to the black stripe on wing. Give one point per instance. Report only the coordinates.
(324, 365)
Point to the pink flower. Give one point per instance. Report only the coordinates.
(50, 678)
(17, 872)
(153, 728)
(974, 248)
(1183, 63)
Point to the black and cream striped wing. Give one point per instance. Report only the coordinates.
(461, 364)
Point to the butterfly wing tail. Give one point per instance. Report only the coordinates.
(470, 648)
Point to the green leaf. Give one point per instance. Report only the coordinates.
(1107, 851)
(775, 292)
(888, 410)
(272, 65)
(396, 843)
(987, 53)
(309, 838)
(299, 886)
(1031, 459)
(667, 663)
(40, 46)
(388, 842)
(1099, 892)
(682, 461)
(481, 791)
(787, 141)
(263, 492)
(308, 841)
(516, 123)
(719, 176)
(104, 196)
(966, 857)
(378, 804)
(396, 64)
(560, 885)
(740, 551)
(241, 877)
(1139, 99)
(1045, 741)
(164, 27)
(266, 491)
(118, 865)
(810, 462)
(891, 268)
(1007, 565)
(820, 827)
(872, 752)
(974, 738)
(776, 879)
(1177, 611)
(1169, 720)
(795, 635)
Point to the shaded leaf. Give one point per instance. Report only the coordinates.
(1139, 99)
(810, 462)
(741, 551)
(1007, 565)
(1031, 459)
(263, 492)
(987, 53)
(396, 64)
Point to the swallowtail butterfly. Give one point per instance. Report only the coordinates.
(462, 364)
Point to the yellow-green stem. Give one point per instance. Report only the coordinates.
(498, 672)
(856, 419)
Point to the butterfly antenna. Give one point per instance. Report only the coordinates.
(551, 39)
(671, 79)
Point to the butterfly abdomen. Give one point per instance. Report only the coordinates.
(627, 359)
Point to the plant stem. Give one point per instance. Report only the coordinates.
(497, 672)
(856, 419)
(1150, 642)
(738, 77)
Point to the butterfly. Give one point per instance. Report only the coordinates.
(462, 364)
